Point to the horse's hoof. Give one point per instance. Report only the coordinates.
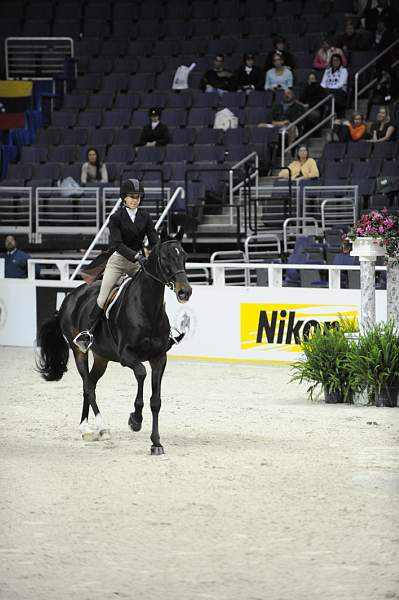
(90, 436)
(157, 450)
(104, 434)
(133, 424)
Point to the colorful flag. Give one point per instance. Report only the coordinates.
(15, 99)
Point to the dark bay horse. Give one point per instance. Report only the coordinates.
(137, 330)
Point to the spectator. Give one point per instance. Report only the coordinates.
(93, 171)
(288, 111)
(279, 48)
(349, 131)
(219, 78)
(382, 10)
(249, 76)
(280, 77)
(16, 261)
(382, 39)
(155, 133)
(351, 40)
(382, 91)
(324, 54)
(303, 167)
(382, 130)
(311, 95)
(335, 81)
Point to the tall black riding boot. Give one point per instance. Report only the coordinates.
(84, 339)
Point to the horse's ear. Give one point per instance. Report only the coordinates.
(164, 235)
(179, 234)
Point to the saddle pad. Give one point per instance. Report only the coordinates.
(116, 296)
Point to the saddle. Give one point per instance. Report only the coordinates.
(115, 293)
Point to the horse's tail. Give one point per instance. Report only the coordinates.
(54, 350)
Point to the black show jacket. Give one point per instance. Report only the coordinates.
(127, 237)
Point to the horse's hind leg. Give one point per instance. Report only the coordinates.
(158, 367)
(136, 417)
(89, 394)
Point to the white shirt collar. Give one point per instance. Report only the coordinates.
(132, 212)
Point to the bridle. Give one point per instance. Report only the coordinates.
(166, 280)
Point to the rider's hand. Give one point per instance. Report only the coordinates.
(140, 258)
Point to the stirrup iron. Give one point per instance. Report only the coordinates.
(81, 343)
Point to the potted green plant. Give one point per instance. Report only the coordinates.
(324, 364)
(373, 364)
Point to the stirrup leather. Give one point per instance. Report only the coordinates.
(83, 344)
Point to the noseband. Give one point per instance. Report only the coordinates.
(165, 280)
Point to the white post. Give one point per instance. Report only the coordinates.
(367, 292)
(393, 291)
(367, 249)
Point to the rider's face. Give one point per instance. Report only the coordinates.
(132, 200)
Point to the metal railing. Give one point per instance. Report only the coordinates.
(365, 68)
(59, 213)
(16, 210)
(267, 211)
(329, 117)
(229, 277)
(249, 176)
(330, 205)
(298, 226)
(37, 57)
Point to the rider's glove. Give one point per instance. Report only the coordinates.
(140, 258)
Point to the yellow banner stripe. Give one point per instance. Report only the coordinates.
(15, 89)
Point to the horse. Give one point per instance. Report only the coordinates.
(137, 330)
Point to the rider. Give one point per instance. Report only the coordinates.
(127, 226)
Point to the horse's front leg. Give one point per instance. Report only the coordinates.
(158, 367)
(136, 417)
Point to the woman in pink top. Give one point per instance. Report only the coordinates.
(323, 56)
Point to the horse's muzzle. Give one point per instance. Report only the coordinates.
(183, 291)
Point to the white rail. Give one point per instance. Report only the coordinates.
(217, 269)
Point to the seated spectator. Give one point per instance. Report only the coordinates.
(288, 111)
(219, 78)
(349, 131)
(382, 130)
(383, 36)
(311, 95)
(249, 76)
(279, 48)
(382, 9)
(155, 133)
(16, 261)
(303, 167)
(382, 91)
(351, 40)
(335, 81)
(280, 77)
(93, 171)
(323, 56)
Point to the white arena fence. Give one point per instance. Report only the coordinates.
(246, 323)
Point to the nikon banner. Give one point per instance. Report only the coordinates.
(258, 324)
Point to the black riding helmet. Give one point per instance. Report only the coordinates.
(131, 186)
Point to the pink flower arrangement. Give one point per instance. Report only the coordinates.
(382, 226)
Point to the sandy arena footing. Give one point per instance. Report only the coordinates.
(261, 495)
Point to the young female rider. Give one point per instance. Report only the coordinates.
(127, 226)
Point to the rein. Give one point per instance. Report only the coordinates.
(166, 281)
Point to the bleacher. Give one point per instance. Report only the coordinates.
(127, 54)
